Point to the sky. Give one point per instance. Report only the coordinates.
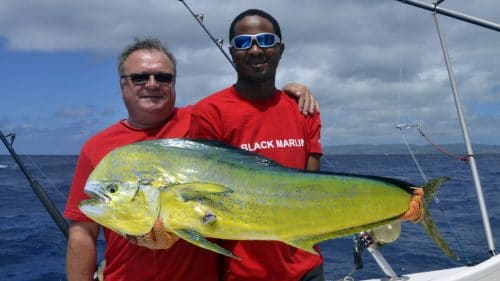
(371, 64)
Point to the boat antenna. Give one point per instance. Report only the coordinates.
(218, 42)
(35, 186)
(471, 157)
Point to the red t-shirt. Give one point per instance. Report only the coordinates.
(124, 260)
(276, 129)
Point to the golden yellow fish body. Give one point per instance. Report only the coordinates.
(204, 189)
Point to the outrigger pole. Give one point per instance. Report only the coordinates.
(472, 160)
(463, 17)
(36, 187)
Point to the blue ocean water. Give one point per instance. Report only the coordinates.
(33, 248)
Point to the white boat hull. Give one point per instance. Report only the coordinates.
(488, 270)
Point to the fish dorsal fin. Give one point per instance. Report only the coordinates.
(198, 190)
(197, 239)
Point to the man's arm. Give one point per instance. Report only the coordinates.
(307, 103)
(81, 254)
(313, 162)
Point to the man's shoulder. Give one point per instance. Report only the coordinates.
(184, 111)
(104, 134)
(216, 97)
(287, 98)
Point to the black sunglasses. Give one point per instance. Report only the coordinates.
(143, 78)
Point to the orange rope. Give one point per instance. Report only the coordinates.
(416, 211)
(461, 158)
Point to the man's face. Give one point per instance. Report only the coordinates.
(256, 63)
(152, 101)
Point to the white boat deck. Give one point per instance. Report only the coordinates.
(488, 270)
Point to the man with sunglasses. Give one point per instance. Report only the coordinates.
(252, 114)
(147, 72)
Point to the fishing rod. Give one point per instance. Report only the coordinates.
(463, 17)
(35, 186)
(217, 42)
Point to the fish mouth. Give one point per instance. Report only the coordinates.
(93, 190)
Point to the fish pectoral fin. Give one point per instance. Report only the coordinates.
(197, 239)
(199, 190)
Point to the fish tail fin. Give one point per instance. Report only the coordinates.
(430, 189)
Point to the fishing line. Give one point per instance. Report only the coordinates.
(46, 179)
(329, 163)
(401, 127)
(401, 46)
(348, 276)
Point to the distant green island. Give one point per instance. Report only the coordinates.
(393, 149)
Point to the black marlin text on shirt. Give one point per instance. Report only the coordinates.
(269, 144)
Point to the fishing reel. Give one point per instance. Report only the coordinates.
(375, 237)
(372, 240)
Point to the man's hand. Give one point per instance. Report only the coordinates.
(307, 103)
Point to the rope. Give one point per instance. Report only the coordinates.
(464, 158)
(435, 198)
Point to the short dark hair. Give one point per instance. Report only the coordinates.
(147, 43)
(254, 12)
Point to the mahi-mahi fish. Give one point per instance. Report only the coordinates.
(200, 189)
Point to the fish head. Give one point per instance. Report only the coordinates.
(124, 195)
(124, 207)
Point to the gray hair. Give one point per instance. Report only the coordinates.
(141, 44)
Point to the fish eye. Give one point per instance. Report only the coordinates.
(112, 187)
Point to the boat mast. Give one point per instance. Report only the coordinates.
(472, 160)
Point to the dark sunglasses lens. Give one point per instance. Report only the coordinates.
(266, 40)
(139, 78)
(163, 77)
(242, 42)
(143, 78)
